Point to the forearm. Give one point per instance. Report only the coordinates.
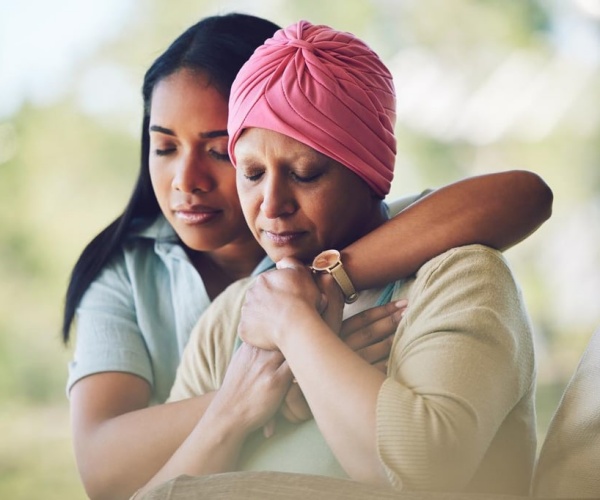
(118, 455)
(496, 210)
(250, 395)
(212, 447)
(341, 390)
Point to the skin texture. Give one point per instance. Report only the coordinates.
(192, 176)
(286, 190)
(120, 442)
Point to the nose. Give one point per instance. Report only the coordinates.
(278, 198)
(191, 175)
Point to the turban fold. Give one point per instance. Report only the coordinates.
(326, 89)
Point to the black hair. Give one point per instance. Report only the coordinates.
(217, 46)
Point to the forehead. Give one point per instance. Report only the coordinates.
(189, 91)
(255, 142)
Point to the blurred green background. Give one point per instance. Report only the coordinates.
(482, 86)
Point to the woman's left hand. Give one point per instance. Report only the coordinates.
(369, 334)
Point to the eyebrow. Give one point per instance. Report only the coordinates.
(213, 133)
(204, 135)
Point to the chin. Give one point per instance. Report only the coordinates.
(201, 244)
(303, 256)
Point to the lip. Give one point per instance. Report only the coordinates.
(284, 237)
(196, 214)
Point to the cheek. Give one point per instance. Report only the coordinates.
(332, 215)
(250, 206)
(160, 183)
(227, 186)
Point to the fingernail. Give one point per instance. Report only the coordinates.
(401, 303)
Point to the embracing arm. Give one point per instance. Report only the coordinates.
(119, 441)
(497, 210)
(252, 391)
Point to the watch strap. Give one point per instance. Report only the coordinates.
(343, 280)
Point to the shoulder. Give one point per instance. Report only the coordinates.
(226, 307)
(470, 286)
(471, 263)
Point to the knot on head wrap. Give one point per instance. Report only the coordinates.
(326, 89)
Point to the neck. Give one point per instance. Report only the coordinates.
(219, 268)
(238, 260)
(378, 217)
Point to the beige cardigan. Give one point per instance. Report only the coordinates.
(456, 412)
(569, 462)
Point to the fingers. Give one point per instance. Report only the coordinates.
(377, 352)
(269, 428)
(382, 365)
(371, 333)
(289, 263)
(295, 264)
(363, 320)
(290, 416)
(295, 408)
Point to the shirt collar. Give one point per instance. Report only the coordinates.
(159, 230)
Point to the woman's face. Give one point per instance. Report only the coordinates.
(191, 174)
(298, 201)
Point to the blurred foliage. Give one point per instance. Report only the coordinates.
(67, 168)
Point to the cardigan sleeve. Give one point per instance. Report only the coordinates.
(206, 356)
(569, 462)
(461, 360)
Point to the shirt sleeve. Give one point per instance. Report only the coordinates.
(461, 360)
(107, 334)
(396, 206)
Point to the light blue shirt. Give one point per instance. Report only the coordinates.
(137, 315)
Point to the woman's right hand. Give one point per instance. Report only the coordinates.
(253, 389)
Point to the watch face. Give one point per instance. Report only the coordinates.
(326, 260)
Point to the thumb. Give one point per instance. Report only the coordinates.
(288, 263)
(269, 428)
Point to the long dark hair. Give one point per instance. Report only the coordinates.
(217, 46)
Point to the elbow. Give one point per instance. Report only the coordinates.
(539, 195)
(99, 484)
(543, 195)
(94, 488)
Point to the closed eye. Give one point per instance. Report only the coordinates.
(219, 156)
(253, 177)
(306, 178)
(164, 152)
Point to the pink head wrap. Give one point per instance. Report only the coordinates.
(326, 89)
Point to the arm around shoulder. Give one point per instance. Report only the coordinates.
(497, 210)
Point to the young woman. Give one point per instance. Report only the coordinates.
(142, 283)
(455, 409)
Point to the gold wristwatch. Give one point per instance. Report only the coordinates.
(330, 261)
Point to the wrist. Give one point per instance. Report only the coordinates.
(330, 261)
(226, 421)
(308, 326)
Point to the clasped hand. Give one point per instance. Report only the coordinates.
(287, 295)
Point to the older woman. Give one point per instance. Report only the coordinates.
(311, 135)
